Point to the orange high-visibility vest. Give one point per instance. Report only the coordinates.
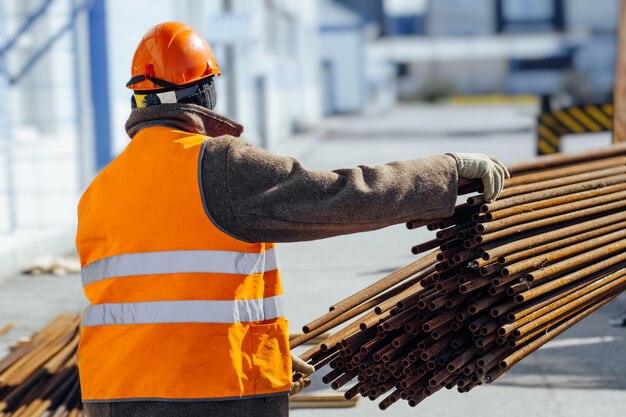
(179, 309)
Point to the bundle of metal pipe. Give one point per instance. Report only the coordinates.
(497, 282)
(39, 377)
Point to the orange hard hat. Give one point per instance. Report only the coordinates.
(171, 55)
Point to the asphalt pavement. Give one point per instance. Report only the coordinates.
(581, 373)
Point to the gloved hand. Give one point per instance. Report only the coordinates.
(300, 367)
(298, 385)
(489, 170)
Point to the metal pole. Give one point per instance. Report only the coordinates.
(100, 82)
(85, 141)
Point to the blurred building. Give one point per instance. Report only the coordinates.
(42, 114)
(500, 46)
(354, 76)
(342, 57)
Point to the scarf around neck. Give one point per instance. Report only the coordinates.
(182, 116)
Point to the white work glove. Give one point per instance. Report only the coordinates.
(489, 170)
(300, 367)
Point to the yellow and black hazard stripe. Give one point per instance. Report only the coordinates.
(553, 124)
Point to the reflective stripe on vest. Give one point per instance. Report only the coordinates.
(182, 261)
(190, 311)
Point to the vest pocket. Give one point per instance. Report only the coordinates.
(271, 359)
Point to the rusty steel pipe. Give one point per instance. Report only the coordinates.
(553, 192)
(560, 309)
(564, 171)
(618, 246)
(557, 244)
(491, 269)
(564, 180)
(452, 232)
(489, 237)
(474, 284)
(566, 252)
(350, 314)
(518, 355)
(548, 212)
(537, 239)
(521, 311)
(550, 202)
(373, 290)
(416, 224)
(425, 247)
(545, 328)
(559, 160)
(599, 285)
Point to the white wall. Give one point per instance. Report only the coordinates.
(382, 89)
(43, 119)
(342, 59)
(307, 100)
(343, 50)
(276, 46)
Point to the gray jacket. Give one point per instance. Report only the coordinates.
(260, 197)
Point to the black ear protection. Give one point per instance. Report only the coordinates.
(146, 99)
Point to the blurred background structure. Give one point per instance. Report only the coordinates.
(287, 67)
(500, 46)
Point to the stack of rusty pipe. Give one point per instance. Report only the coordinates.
(497, 282)
(39, 377)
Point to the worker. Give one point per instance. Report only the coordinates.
(176, 242)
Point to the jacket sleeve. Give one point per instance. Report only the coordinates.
(260, 197)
